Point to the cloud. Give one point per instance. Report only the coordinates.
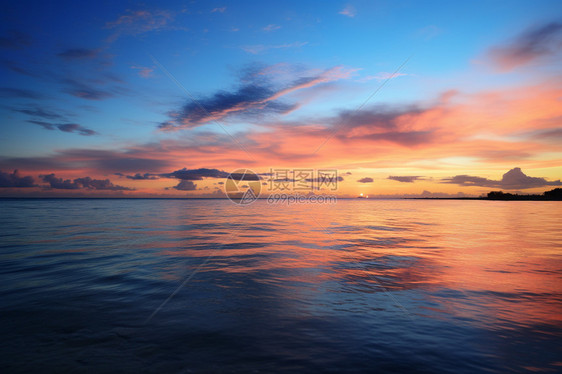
(9, 92)
(383, 75)
(219, 10)
(81, 183)
(271, 27)
(78, 53)
(534, 44)
(84, 91)
(38, 112)
(14, 39)
(196, 174)
(139, 22)
(139, 176)
(382, 123)
(404, 179)
(73, 127)
(365, 180)
(186, 185)
(65, 127)
(144, 71)
(15, 180)
(512, 180)
(348, 11)
(255, 96)
(259, 48)
(17, 67)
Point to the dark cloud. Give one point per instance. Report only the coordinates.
(365, 180)
(186, 185)
(73, 127)
(542, 41)
(78, 53)
(38, 112)
(82, 183)
(257, 95)
(139, 176)
(16, 67)
(15, 180)
(404, 179)
(85, 91)
(43, 124)
(9, 92)
(381, 123)
(196, 174)
(512, 180)
(249, 99)
(65, 127)
(14, 39)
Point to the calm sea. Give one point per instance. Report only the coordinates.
(199, 286)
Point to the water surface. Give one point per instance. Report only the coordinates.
(359, 286)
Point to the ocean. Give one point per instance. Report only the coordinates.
(208, 286)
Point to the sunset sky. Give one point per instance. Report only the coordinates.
(402, 98)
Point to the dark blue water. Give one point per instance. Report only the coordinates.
(198, 286)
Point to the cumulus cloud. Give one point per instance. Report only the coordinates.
(81, 183)
(365, 180)
(404, 179)
(186, 185)
(14, 179)
(534, 44)
(514, 179)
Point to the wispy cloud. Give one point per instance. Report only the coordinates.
(140, 22)
(259, 48)
(10, 92)
(14, 39)
(143, 71)
(254, 97)
(37, 111)
(84, 90)
(78, 53)
(219, 10)
(383, 75)
(271, 27)
(532, 45)
(65, 127)
(348, 11)
(404, 179)
(365, 180)
(139, 176)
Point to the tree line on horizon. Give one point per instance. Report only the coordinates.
(555, 194)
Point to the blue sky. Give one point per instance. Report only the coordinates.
(107, 75)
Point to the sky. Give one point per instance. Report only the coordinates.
(165, 99)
